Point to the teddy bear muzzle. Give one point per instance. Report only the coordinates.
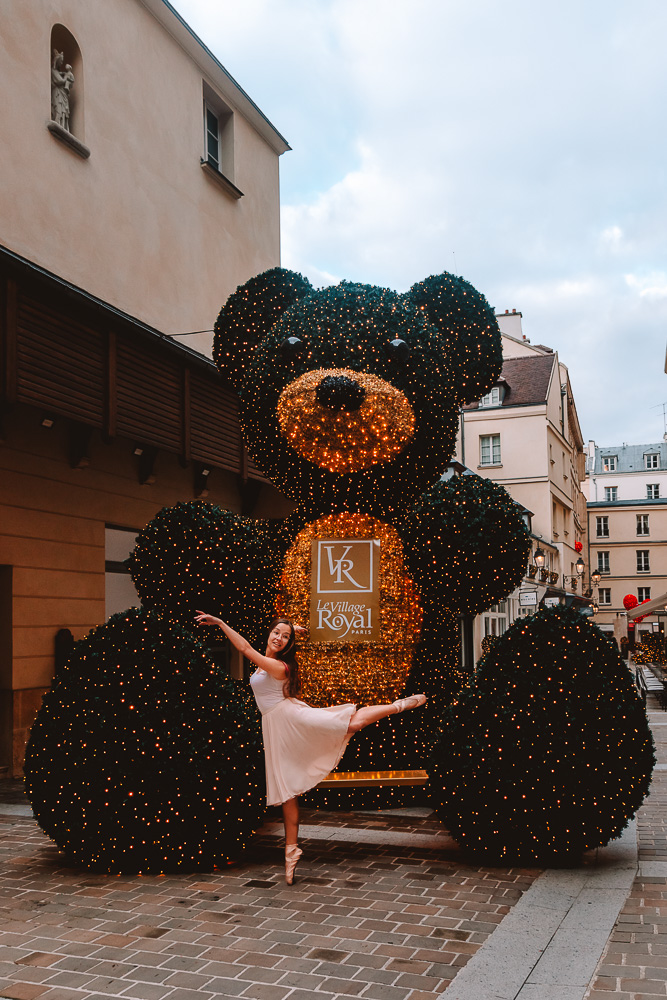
(345, 421)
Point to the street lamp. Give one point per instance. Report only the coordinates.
(595, 577)
(579, 566)
(539, 557)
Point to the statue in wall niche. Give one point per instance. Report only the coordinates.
(62, 80)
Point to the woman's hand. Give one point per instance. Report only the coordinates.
(299, 628)
(203, 619)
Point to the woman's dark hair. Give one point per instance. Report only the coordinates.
(292, 686)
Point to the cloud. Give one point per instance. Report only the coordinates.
(517, 144)
(650, 286)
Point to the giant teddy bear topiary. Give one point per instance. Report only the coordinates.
(349, 401)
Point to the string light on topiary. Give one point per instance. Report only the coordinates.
(144, 756)
(547, 753)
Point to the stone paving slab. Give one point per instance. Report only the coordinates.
(634, 964)
(381, 916)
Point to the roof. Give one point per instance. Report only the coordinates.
(643, 502)
(527, 379)
(630, 457)
(191, 43)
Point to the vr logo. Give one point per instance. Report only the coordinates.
(346, 567)
(341, 567)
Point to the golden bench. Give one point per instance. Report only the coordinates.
(373, 779)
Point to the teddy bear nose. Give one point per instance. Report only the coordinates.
(339, 392)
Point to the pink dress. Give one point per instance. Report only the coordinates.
(301, 743)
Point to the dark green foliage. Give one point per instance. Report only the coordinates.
(144, 755)
(249, 314)
(351, 326)
(194, 555)
(547, 752)
(466, 543)
(469, 330)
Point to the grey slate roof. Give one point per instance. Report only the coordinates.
(627, 503)
(630, 457)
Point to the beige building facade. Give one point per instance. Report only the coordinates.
(525, 435)
(132, 204)
(122, 204)
(627, 522)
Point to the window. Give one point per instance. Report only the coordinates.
(218, 158)
(491, 399)
(602, 527)
(489, 449)
(642, 524)
(653, 491)
(610, 493)
(495, 620)
(603, 562)
(604, 595)
(609, 463)
(643, 594)
(652, 461)
(643, 561)
(212, 138)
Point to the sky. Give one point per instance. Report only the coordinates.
(522, 145)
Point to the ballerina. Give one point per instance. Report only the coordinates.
(302, 744)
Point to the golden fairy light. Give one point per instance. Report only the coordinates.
(339, 439)
(339, 672)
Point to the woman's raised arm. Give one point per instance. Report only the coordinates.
(273, 667)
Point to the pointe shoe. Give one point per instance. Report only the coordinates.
(292, 855)
(412, 701)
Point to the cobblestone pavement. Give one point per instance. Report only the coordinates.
(634, 966)
(379, 921)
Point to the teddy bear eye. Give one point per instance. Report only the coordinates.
(291, 348)
(399, 350)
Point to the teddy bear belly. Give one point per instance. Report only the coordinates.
(345, 574)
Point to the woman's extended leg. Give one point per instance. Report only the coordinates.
(373, 713)
(292, 851)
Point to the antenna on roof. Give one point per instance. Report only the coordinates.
(664, 418)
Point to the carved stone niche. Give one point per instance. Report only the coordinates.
(66, 121)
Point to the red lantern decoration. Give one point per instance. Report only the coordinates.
(630, 602)
(578, 546)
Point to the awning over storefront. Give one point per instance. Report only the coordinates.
(648, 608)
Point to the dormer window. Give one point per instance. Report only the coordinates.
(609, 463)
(652, 461)
(493, 398)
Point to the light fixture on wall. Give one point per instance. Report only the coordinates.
(595, 577)
(48, 420)
(580, 566)
(539, 557)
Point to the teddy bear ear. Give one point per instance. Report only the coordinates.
(468, 327)
(248, 315)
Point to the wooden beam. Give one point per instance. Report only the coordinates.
(111, 388)
(186, 451)
(9, 336)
